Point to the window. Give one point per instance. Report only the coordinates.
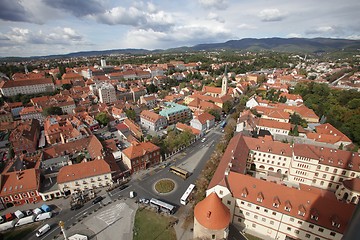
(263, 219)
(265, 210)
(321, 230)
(255, 216)
(327, 169)
(335, 170)
(239, 219)
(307, 235)
(300, 222)
(272, 222)
(247, 214)
(274, 213)
(254, 225)
(317, 238)
(343, 172)
(258, 208)
(297, 231)
(333, 234)
(249, 204)
(242, 202)
(311, 226)
(324, 176)
(221, 192)
(228, 202)
(288, 228)
(291, 219)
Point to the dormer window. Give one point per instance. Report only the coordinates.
(301, 211)
(276, 202)
(269, 150)
(287, 206)
(350, 165)
(260, 197)
(244, 192)
(335, 222)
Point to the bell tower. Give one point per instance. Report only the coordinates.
(224, 85)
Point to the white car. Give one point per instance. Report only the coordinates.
(203, 140)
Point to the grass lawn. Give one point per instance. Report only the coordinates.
(18, 233)
(165, 186)
(151, 225)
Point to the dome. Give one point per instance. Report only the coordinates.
(212, 213)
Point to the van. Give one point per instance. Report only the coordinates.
(43, 216)
(43, 230)
(25, 220)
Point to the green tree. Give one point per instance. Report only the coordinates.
(66, 86)
(152, 88)
(52, 111)
(215, 113)
(227, 107)
(130, 113)
(103, 118)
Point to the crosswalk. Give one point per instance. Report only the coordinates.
(109, 216)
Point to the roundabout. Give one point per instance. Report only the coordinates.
(164, 186)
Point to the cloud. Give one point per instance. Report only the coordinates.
(245, 26)
(215, 17)
(78, 8)
(147, 17)
(271, 15)
(214, 4)
(294, 35)
(59, 35)
(321, 30)
(177, 36)
(12, 10)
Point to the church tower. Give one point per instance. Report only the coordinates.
(224, 85)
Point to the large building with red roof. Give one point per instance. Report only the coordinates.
(151, 120)
(141, 156)
(291, 194)
(24, 138)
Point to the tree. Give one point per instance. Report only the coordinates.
(227, 107)
(152, 88)
(52, 111)
(215, 113)
(66, 86)
(102, 118)
(130, 113)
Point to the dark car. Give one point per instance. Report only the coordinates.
(76, 207)
(97, 200)
(122, 187)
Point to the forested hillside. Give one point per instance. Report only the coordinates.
(340, 107)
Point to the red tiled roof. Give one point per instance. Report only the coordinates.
(182, 126)
(150, 116)
(28, 181)
(140, 149)
(19, 83)
(83, 170)
(352, 184)
(205, 117)
(307, 198)
(212, 213)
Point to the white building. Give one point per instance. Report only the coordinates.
(84, 175)
(107, 93)
(13, 88)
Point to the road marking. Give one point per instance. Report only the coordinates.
(110, 215)
(49, 233)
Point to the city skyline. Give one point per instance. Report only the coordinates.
(44, 27)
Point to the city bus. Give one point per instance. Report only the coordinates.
(180, 172)
(162, 206)
(185, 197)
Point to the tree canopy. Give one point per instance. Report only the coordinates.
(102, 118)
(52, 111)
(340, 107)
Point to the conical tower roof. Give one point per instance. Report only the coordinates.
(212, 213)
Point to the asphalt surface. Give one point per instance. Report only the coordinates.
(193, 157)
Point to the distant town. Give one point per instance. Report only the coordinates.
(217, 144)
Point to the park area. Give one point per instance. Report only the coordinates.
(151, 225)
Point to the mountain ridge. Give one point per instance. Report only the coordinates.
(306, 45)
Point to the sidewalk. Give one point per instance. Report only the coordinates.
(181, 233)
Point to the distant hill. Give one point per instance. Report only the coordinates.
(284, 44)
(308, 45)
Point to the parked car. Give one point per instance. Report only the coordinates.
(98, 199)
(28, 212)
(43, 216)
(122, 187)
(203, 140)
(76, 207)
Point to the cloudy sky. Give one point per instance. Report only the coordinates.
(43, 27)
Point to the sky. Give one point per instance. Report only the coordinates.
(45, 27)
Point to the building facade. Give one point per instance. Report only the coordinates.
(13, 88)
(152, 121)
(174, 112)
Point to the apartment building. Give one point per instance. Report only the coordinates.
(107, 93)
(33, 86)
(24, 138)
(152, 121)
(174, 112)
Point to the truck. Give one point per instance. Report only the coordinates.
(19, 214)
(25, 220)
(43, 216)
(7, 225)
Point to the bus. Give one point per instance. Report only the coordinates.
(180, 172)
(162, 206)
(185, 197)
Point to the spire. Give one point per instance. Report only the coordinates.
(224, 85)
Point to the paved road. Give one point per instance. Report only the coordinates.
(192, 159)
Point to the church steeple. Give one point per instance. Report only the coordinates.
(224, 85)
